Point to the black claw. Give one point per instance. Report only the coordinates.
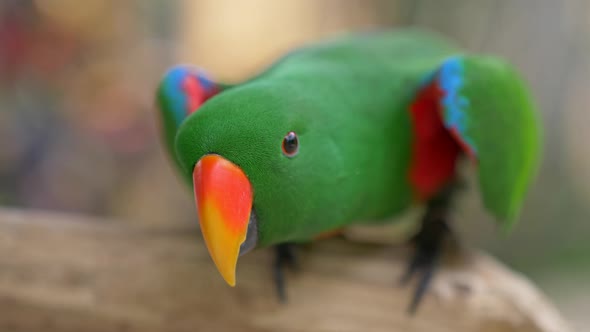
(428, 243)
(279, 277)
(428, 268)
(284, 256)
(429, 246)
(411, 269)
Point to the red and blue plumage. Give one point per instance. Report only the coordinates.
(186, 88)
(478, 107)
(438, 130)
(182, 91)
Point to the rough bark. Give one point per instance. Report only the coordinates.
(72, 273)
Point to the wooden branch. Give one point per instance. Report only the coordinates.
(70, 273)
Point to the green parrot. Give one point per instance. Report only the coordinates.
(354, 129)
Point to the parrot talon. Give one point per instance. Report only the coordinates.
(429, 245)
(423, 264)
(284, 256)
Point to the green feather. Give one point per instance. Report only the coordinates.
(502, 122)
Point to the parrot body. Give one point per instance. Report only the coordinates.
(353, 129)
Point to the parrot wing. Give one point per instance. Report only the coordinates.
(487, 108)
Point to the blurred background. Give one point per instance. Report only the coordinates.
(78, 129)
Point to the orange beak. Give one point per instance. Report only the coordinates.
(223, 195)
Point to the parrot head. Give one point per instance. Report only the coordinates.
(255, 166)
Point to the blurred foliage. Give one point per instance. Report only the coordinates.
(77, 84)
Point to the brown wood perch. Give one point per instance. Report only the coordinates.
(71, 273)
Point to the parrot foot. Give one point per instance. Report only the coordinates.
(429, 243)
(285, 256)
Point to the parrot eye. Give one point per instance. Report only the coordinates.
(290, 144)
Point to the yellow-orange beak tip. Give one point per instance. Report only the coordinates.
(223, 195)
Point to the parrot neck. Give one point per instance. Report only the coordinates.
(434, 149)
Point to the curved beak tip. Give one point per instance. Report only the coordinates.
(231, 280)
(228, 272)
(223, 196)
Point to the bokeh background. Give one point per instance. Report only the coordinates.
(78, 129)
